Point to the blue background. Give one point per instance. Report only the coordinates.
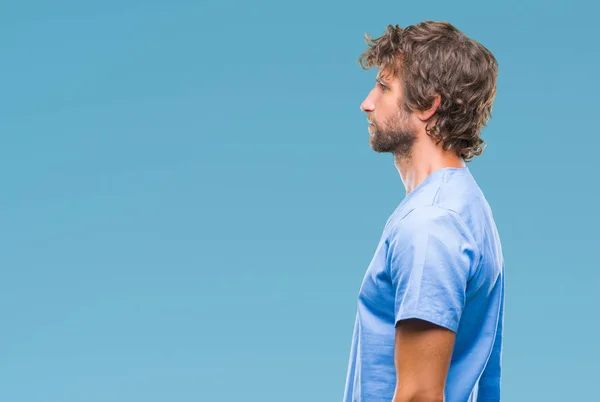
(189, 201)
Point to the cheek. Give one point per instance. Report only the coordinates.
(386, 111)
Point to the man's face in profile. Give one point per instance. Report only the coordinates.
(390, 129)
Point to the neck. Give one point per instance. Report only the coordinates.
(424, 159)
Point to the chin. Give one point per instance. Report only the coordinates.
(372, 141)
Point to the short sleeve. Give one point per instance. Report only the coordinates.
(431, 257)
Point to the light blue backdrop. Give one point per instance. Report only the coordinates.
(189, 200)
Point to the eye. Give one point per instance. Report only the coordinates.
(383, 87)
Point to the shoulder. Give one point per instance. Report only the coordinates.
(428, 218)
(430, 225)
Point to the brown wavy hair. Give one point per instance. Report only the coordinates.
(434, 58)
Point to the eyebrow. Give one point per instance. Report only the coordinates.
(381, 80)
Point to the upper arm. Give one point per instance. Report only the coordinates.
(422, 355)
(431, 260)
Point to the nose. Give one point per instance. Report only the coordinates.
(368, 105)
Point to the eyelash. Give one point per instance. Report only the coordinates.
(383, 87)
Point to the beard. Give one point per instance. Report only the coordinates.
(394, 135)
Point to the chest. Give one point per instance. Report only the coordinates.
(376, 293)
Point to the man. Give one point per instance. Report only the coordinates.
(431, 305)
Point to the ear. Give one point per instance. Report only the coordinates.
(425, 115)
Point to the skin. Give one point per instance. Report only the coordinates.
(422, 350)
